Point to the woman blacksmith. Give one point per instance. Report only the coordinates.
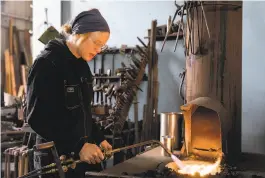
(60, 91)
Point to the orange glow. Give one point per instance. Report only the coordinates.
(200, 167)
(193, 167)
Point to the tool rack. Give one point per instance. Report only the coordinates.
(101, 110)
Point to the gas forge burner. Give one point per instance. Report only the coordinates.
(206, 130)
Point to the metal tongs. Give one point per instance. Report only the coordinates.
(178, 12)
(63, 165)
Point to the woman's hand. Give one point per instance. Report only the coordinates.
(91, 154)
(105, 145)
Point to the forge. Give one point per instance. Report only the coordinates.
(206, 129)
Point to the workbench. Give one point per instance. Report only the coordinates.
(148, 160)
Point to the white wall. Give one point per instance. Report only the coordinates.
(253, 93)
(127, 19)
(39, 17)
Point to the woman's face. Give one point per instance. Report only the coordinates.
(90, 47)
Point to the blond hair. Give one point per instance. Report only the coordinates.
(66, 31)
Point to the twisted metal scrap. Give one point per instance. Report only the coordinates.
(132, 76)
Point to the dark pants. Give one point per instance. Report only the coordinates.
(42, 158)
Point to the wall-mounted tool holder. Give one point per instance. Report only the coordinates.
(103, 100)
(102, 103)
(114, 88)
(123, 50)
(162, 31)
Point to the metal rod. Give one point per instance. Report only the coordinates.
(170, 26)
(139, 145)
(179, 27)
(206, 23)
(141, 41)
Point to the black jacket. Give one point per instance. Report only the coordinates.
(59, 99)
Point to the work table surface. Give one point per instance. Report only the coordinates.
(149, 160)
(140, 163)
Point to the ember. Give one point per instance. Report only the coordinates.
(194, 167)
(166, 172)
(200, 167)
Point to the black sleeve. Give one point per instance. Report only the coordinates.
(97, 133)
(45, 111)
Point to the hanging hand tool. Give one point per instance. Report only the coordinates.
(205, 19)
(141, 41)
(109, 92)
(181, 24)
(101, 74)
(108, 82)
(95, 79)
(170, 26)
(123, 65)
(135, 61)
(95, 64)
(142, 52)
(199, 50)
(99, 87)
(187, 48)
(96, 90)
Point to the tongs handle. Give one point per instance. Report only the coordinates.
(107, 154)
(43, 146)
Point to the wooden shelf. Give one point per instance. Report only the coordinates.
(106, 77)
(162, 30)
(169, 38)
(116, 78)
(117, 50)
(110, 78)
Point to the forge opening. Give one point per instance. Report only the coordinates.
(206, 139)
(206, 128)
